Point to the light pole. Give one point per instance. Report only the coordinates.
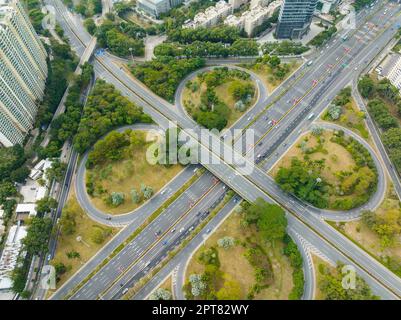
(132, 57)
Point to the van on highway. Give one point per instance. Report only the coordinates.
(125, 291)
(309, 63)
(311, 116)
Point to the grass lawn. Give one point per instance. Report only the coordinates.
(336, 159)
(317, 261)
(129, 173)
(265, 73)
(234, 264)
(68, 243)
(366, 238)
(352, 118)
(167, 284)
(222, 92)
(342, 161)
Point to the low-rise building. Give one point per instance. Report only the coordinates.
(211, 16)
(25, 209)
(391, 69)
(253, 18)
(9, 257)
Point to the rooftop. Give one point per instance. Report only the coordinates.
(8, 259)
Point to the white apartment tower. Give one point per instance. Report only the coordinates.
(23, 72)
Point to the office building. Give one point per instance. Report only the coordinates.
(156, 7)
(23, 72)
(295, 18)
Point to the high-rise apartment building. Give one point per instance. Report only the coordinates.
(23, 72)
(295, 18)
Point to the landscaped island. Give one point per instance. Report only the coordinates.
(328, 170)
(119, 177)
(217, 98)
(250, 256)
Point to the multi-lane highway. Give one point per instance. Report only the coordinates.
(257, 184)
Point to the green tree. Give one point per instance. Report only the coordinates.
(56, 171)
(68, 222)
(307, 184)
(366, 86)
(272, 222)
(90, 25)
(38, 235)
(45, 205)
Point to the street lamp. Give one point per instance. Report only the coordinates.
(132, 57)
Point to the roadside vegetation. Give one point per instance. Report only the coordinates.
(384, 105)
(65, 126)
(284, 48)
(60, 71)
(343, 111)
(39, 229)
(164, 291)
(105, 109)
(119, 177)
(217, 98)
(240, 47)
(323, 37)
(359, 4)
(163, 75)
(13, 169)
(80, 238)
(249, 256)
(214, 34)
(328, 170)
(272, 70)
(86, 8)
(379, 231)
(329, 283)
(122, 38)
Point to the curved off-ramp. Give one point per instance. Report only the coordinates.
(375, 199)
(139, 214)
(262, 92)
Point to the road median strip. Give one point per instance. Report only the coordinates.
(142, 282)
(149, 220)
